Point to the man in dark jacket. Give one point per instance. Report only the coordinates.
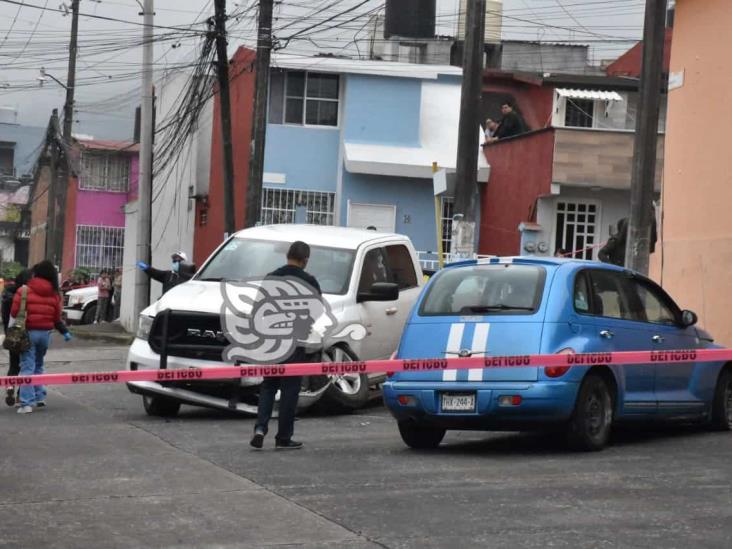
(614, 249)
(289, 387)
(511, 124)
(180, 272)
(7, 303)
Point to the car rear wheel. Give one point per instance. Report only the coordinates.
(159, 406)
(349, 391)
(589, 428)
(420, 435)
(722, 405)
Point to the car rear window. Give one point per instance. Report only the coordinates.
(485, 289)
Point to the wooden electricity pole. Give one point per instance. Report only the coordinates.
(222, 70)
(259, 122)
(637, 252)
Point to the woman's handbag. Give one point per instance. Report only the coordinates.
(16, 339)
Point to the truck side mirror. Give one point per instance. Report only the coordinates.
(688, 318)
(379, 291)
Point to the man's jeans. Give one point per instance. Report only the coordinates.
(289, 392)
(102, 307)
(31, 363)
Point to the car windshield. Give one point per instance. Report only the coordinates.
(243, 258)
(485, 289)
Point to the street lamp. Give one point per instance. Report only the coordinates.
(46, 75)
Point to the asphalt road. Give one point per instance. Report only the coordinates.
(92, 470)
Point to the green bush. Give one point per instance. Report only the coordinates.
(9, 270)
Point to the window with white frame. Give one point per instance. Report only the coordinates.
(579, 113)
(104, 172)
(281, 206)
(576, 228)
(303, 98)
(99, 247)
(448, 203)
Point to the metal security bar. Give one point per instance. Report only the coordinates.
(281, 205)
(104, 172)
(99, 247)
(448, 203)
(576, 227)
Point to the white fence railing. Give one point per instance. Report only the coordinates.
(430, 262)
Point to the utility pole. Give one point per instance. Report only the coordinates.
(222, 68)
(464, 230)
(637, 251)
(65, 171)
(259, 122)
(53, 144)
(144, 193)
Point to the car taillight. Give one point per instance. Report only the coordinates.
(559, 371)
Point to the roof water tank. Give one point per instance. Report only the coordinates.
(410, 18)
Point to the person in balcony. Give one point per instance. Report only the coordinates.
(512, 123)
(491, 126)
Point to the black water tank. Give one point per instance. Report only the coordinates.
(410, 18)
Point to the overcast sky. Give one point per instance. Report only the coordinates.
(109, 56)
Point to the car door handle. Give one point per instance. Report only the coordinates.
(607, 334)
(391, 310)
(657, 339)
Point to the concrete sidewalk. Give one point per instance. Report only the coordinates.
(71, 477)
(109, 332)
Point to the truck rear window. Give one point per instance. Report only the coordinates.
(485, 290)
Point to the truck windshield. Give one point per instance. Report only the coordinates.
(485, 289)
(243, 258)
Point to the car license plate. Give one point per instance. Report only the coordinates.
(460, 402)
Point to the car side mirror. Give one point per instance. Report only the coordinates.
(688, 318)
(379, 291)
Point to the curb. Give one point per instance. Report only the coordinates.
(123, 339)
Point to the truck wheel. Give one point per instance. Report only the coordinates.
(349, 391)
(90, 314)
(722, 405)
(159, 406)
(589, 428)
(419, 435)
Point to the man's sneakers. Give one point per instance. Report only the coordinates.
(41, 404)
(257, 440)
(287, 445)
(25, 409)
(10, 396)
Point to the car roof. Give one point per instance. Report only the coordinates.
(533, 260)
(317, 235)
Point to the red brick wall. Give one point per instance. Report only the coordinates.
(209, 235)
(521, 171)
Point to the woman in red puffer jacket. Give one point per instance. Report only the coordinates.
(43, 314)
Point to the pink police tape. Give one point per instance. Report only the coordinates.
(393, 365)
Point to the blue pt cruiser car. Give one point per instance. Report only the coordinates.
(520, 306)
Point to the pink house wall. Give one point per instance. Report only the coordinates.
(105, 208)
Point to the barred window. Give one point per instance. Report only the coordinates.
(99, 247)
(104, 172)
(308, 98)
(281, 206)
(448, 206)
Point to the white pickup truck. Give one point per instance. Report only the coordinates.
(346, 262)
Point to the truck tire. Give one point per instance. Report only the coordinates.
(346, 392)
(592, 418)
(420, 435)
(90, 314)
(159, 406)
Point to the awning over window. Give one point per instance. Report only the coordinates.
(589, 94)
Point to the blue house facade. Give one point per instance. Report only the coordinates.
(352, 143)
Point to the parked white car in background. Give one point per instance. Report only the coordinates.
(80, 305)
(346, 262)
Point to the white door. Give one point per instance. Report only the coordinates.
(381, 216)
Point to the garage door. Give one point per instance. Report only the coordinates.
(381, 216)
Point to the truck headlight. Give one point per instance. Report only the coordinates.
(143, 327)
(75, 300)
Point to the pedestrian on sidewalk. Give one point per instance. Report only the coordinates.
(181, 271)
(42, 314)
(289, 387)
(7, 303)
(104, 287)
(117, 284)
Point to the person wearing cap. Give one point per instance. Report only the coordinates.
(180, 271)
